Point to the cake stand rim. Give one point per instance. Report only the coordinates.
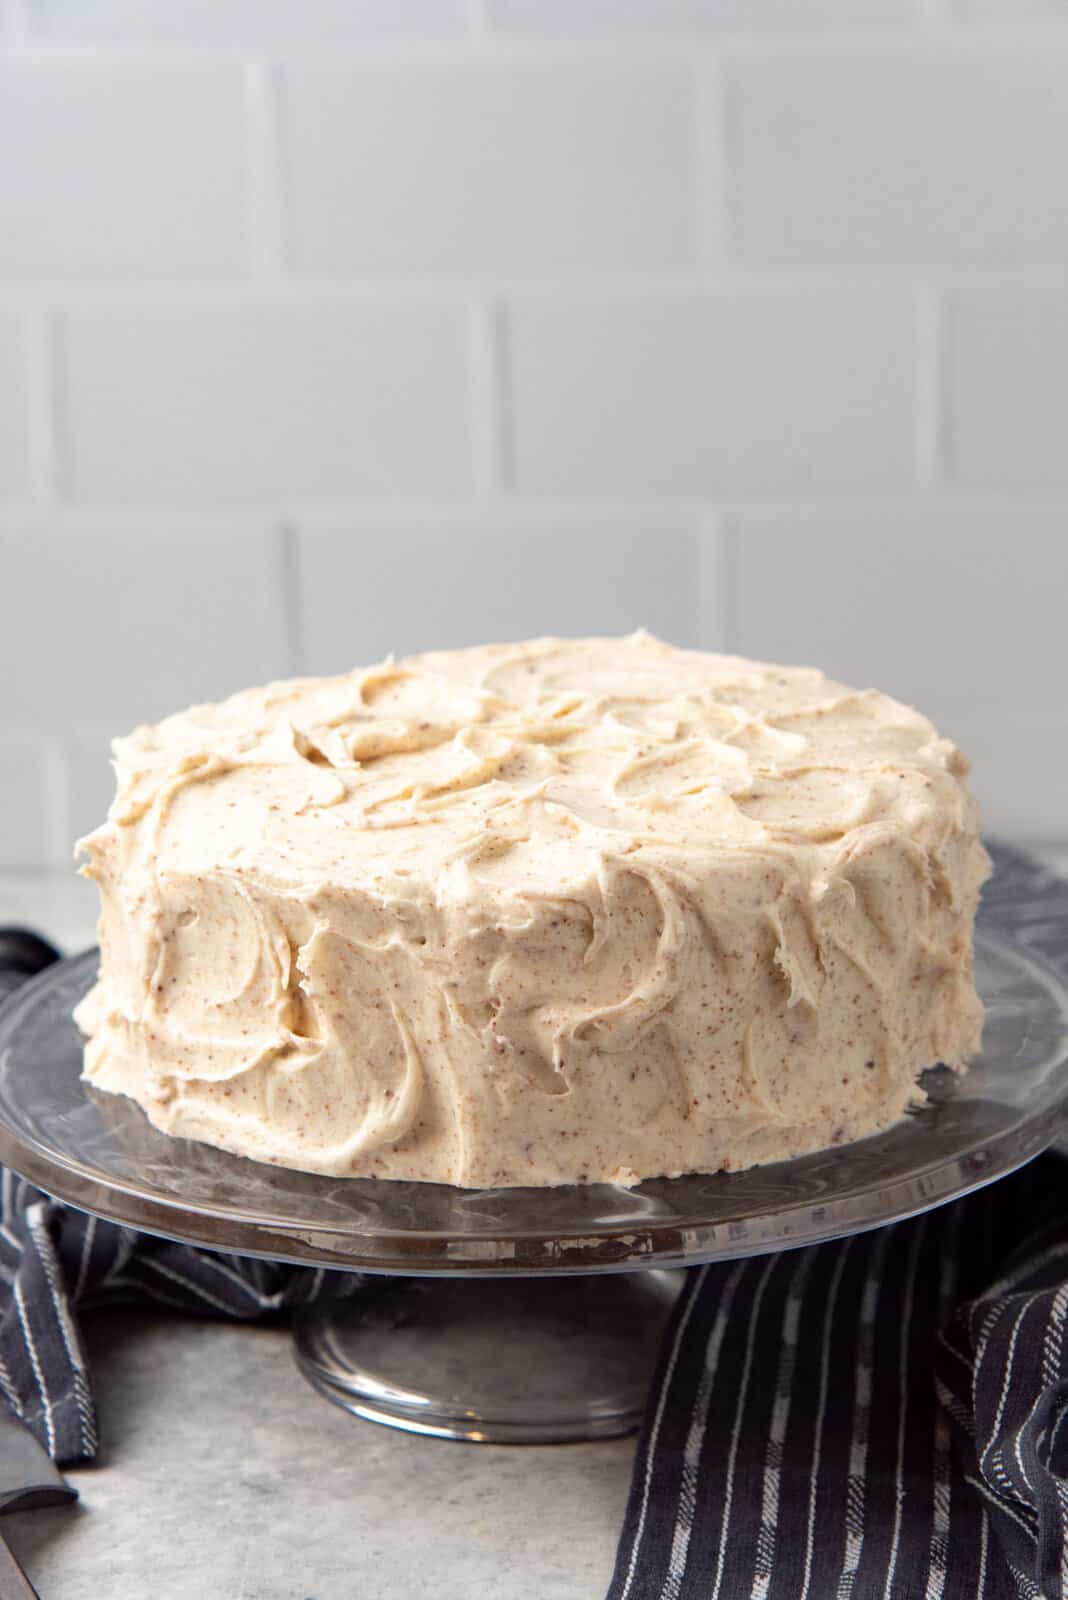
(655, 1242)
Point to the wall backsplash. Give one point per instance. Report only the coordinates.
(339, 327)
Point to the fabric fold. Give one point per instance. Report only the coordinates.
(56, 1262)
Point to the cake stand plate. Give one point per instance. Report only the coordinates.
(543, 1349)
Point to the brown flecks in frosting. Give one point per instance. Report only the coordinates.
(573, 907)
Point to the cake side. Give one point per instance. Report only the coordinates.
(532, 914)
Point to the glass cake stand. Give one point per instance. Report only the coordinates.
(530, 1315)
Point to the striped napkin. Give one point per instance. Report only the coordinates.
(56, 1262)
(876, 1417)
(879, 1416)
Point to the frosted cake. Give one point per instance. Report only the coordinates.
(543, 913)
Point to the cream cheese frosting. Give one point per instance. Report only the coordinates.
(541, 913)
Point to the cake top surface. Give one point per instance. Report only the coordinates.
(525, 763)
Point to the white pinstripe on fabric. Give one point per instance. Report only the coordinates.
(1053, 1347)
(262, 1300)
(38, 1373)
(941, 1499)
(953, 1407)
(990, 1460)
(8, 1209)
(990, 1494)
(780, 1416)
(736, 1426)
(654, 1434)
(35, 1221)
(858, 1447)
(938, 1550)
(123, 1256)
(984, 1541)
(136, 1287)
(1025, 1585)
(187, 1283)
(680, 1538)
(1062, 1501)
(1018, 1438)
(1052, 1357)
(85, 1258)
(957, 1353)
(903, 1370)
(1009, 1283)
(821, 1409)
(1056, 1430)
(10, 1392)
(986, 1330)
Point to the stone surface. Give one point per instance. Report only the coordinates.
(223, 1474)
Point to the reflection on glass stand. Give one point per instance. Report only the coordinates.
(493, 1360)
(529, 1315)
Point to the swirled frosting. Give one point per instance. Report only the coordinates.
(541, 913)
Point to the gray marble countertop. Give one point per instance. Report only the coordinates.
(224, 1476)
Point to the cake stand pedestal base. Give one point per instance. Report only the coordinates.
(493, 1360)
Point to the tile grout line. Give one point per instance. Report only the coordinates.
(263, 172)
(478, 18)
(369, 512)
(17, 21)
(935, 22)
(719, 279)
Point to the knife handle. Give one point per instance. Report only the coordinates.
(14, 1584)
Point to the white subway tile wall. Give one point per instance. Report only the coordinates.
(97, 628)
(115, 169)
(1007, 386)
(886, 156)
(670, 582)
(910, 626)
(346, 326)
(766, 391)
(263, 400)
(488, 167)
(100, 634)
(32, 784)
